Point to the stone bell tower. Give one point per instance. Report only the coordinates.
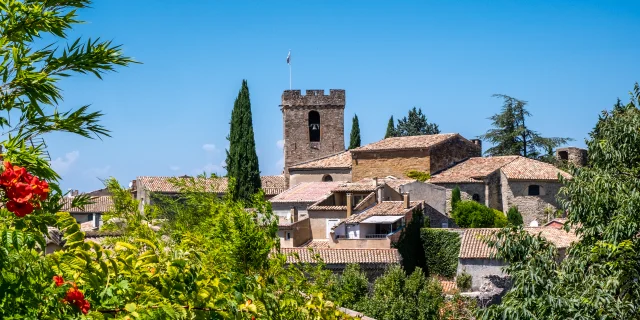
(313, 125)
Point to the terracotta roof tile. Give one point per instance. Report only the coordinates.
(286, 225)
(318, 207)
(384, 208)
(272, 185)
(365, 185)
(448, 287)
(396, 183)
(514, 167)
(341, 160)
(473, 240)
(364, 202)
(306, 192)
(321, 244)
(340, 256)
(404, 143)
(99, 205)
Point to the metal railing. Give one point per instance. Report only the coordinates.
(376, 235)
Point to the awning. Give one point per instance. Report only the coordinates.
(382, 219)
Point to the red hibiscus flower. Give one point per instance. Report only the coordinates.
(19, 209)
(84, 306)
(23, 190)
(58, 280)
(76, 297)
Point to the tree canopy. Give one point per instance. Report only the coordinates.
(415, 124)
(511, 136)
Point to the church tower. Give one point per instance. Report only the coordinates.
(313, 125)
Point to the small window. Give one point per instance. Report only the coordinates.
(534, 190)
(327, 178)
(288, 236)
(314, 126)
(445, 224)
(90, 217)
(476, 197)
(564, 155)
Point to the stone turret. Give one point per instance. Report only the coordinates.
(577, 156)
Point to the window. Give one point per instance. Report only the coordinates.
(288, 236)
(476, 197)
(314, 126)
(90, 217)
(564, 155)
(534, 190)
(327, 178)
(445, 224)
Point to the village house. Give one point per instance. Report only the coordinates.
(506, 181)
(475, 257)
(90, 216)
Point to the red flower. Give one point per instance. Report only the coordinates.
(76, 297)
(40, 188)
(58, 280)
(20, 192)
(19, 209)
(84, 307)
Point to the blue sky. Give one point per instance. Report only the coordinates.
(170, 115)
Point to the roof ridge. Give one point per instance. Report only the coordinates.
(320, 158)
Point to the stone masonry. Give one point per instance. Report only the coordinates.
(296, 110)
(577, 156)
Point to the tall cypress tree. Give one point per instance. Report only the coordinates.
(242, 160)
(354, 142)
(391, 129)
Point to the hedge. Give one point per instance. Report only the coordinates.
(441, 248)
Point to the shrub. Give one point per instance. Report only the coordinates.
(470, 214)
(412, 254)
(352, 287)
(418, 175)
(455, 197)
(463, 281)
(514, 217)
(441, 248)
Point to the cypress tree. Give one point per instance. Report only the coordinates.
(514, 217)
(354, 142)
(455, 197)
(242, 160)
(391, 129)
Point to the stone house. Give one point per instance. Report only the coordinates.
(296, 233)
(144, 188)
(399, 155)
(505, 181)
(336, 167)
(300, 197)
(90, 216)
(475, 257)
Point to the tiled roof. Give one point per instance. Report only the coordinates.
(514, 167)
(286, 225)
(339, 256)
(306, 192)
(317, 207)
(365, 185)
(396, 183)
(448, 287)
(473, 241)
(99, 205)
(407, 143)
(320, 244)
(363, 203)
(384, 208)
(272, 185)
(341, 160)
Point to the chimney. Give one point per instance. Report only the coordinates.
(375, 181)
(407, 201)
(349, 204)
(294, 214)
(478, 143)
(96, 220)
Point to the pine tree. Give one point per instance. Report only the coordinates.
(391, 129)
(415, 124)
(511, 136)
(514, 217)
(242, 160)
(354, 142)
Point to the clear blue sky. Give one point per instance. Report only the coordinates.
(170, 115)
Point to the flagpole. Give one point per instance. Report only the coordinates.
(289, 76)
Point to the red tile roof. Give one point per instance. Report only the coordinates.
(99, 205)
(384, 208)
(341, 160)
(365, 185)
(407, 143)
(306, 192)
(514, 168)
(272, 185)
(342, 256)
(321, 244)
(448, 287)
(473, 240)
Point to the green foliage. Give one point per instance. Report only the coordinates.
(598, 278)
(514, 217)
(455, 197)
(463, 281)
(242, 160)
(441, 249)
(352, 287)
(415, 124)
(470, 214)
(354, 141)
(397, 296)
(418, 175)
(511, 136)
(391, 129)
(412, 254)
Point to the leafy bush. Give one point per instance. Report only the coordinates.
(463, 281)
(455, 197)
(441, 249)
(470, 214)
(352, 287)
(514, 217)
(418, 175)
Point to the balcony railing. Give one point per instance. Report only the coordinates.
(376, 235)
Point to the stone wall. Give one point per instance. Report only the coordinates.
(452, 151)
(433, 195)
(467, 190)
(577, 156)
(515, 193)
(298, 176)
(479, 269)
(372, 164)
(295, 115)
(318, 220)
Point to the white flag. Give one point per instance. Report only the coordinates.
(289, 57)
